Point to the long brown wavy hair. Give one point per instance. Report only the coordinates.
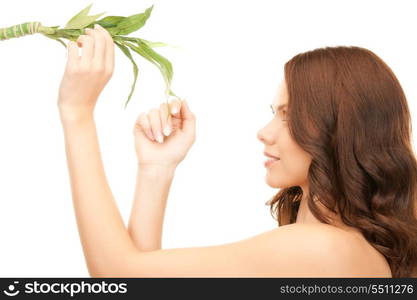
(347, 109)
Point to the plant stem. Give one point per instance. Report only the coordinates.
(27, 28)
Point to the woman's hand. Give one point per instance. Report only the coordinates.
(86, 75)
(173, 147)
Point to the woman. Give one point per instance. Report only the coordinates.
(346, 170)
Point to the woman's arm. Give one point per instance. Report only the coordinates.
(103, 235)
(147, 215)
(157, 162)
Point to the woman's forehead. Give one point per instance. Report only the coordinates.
(281, 96)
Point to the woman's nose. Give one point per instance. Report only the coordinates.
(260, 135)
(267, 135)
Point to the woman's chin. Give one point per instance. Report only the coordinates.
(274, 183)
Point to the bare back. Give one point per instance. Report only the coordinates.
(355, 256)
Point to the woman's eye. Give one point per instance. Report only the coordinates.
(283, 115)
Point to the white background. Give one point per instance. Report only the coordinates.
(228, 67)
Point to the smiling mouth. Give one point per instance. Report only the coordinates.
(270, 161)
(273, 159)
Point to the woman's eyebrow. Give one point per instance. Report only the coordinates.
(279, 106)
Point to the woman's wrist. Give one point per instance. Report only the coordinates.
(157, 170)
(71, 115)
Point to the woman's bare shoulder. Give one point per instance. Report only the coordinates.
(322, 250)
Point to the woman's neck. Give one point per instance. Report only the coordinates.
(305, 216)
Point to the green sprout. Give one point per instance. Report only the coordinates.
(117, 26)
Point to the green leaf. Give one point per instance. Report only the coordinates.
(70, 32)
(155, 44)
(82, 19)
(163, 64)
(82, 13)
(110, 21)
(82, 22)
(133, 23)
(56, 39)
(126, 51)
(112, 30)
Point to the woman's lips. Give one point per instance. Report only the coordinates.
(269, 162)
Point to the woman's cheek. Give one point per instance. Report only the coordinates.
(292, 169)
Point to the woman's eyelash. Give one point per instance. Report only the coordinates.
(282, 115)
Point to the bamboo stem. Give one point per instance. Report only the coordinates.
(24, 29)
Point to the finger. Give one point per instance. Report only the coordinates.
(87, 44)
(175, 114)
(109, 55)
(143, 122)
(175, 107)
(73, 56)
(99, 46)
(175, 124)
(188, 118)
(155, 121)
(165, 119)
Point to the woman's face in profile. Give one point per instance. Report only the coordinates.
(292, 167)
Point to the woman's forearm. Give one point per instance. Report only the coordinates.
(103, 234)
(148, 209)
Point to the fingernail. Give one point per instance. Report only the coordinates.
(174, 110)
(150, 135)
(167, 130)
(159, 138)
